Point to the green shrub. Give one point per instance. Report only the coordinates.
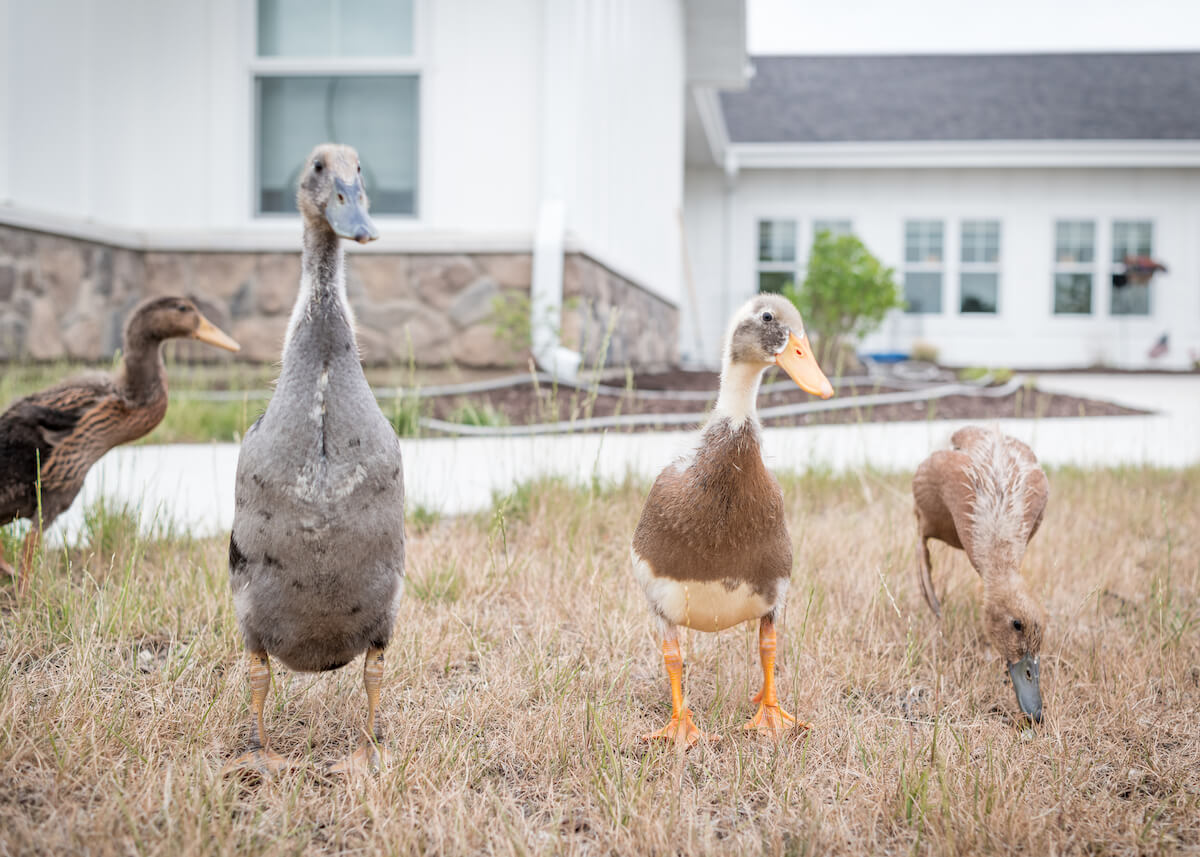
(846, 294)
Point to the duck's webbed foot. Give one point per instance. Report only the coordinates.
(371, 756)
(772, 720)
(266, 763)
(681, 730)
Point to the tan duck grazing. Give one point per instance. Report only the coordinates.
(986, 495)
(56, 435)
(712, 549)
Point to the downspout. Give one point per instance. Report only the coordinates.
(546, 294)
(558, 117)
(727, 212)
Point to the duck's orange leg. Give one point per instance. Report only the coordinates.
(259, 759)
(771, 719)
(681, 729)
(371, 755)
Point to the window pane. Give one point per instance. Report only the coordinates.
(1074, 241)
(1130, 299)
(774, 281)
(1132, 238)
(981, 241)
(345, 28)
(1072, 293)
(777, 241)
(923, 291)
(833, 227)
(977, 292)
(923, 241)
(377, 115)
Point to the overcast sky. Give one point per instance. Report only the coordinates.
(971, 26)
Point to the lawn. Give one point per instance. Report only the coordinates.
(524, 668)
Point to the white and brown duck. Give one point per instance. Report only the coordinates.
(986, 496)
(712, 549)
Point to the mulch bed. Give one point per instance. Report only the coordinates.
(527, 403)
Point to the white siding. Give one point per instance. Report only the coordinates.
(140, 116)
(619, 79)
(1025, 332)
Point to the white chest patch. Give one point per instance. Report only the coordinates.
(704, 606)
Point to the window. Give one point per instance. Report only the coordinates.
(836, 228)
(776, 255)
(979, 277)
(923, 259)
(337, 71)
(1130, 238)
(1074, 259)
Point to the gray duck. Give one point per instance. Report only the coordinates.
(49, 440)
(986, 495)
(712, 549)
(316, 556)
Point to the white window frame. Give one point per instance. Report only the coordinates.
(925, 267)
(780, 267)
(1091, 268)
(415, 65)
(964, 267)
(803, 239)
(1117, 267)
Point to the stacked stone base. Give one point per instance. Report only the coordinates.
(67, 298)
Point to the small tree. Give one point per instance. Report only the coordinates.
(847, 293)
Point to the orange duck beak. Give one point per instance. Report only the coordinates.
(213, 335)
(798, 361)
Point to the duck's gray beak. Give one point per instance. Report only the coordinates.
(347, 212)
(1024, 675)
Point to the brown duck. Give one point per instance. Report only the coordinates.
(986, 495)
(712, 548)
(68, 427)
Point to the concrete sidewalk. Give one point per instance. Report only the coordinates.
(191, 486)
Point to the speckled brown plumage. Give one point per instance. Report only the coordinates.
(986, 495)
(60, 432)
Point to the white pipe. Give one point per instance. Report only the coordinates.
(546, 295)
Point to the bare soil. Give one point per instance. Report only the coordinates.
(529, 403)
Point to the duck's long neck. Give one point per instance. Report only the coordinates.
(143, 374)
(739, 390)
(322, 283)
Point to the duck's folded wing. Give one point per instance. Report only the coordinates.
(39, 427)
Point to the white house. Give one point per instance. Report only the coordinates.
(617, 169)
(1006, 191)
(507, 145)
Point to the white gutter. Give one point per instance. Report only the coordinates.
(992, 154)
(546, 294)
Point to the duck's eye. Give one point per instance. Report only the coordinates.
(181, 308)
(318, 165)
(360, 169)
(1018, 625)
(768, 316)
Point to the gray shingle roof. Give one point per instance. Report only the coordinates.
(994, 97)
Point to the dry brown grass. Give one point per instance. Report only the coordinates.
(524, 668)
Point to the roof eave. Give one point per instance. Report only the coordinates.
(967, 154)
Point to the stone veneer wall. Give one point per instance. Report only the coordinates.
(65, 297)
